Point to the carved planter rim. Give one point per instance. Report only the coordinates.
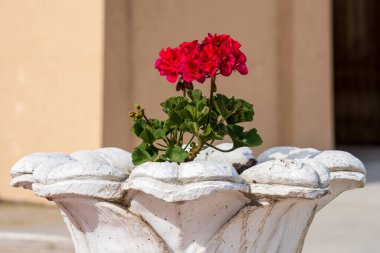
(109, 204)
(281, 172)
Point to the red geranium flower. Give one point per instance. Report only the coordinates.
(228, 52)
(167, 64)
(240, 58)
(191, 61)
(189, 68)
(215, 40)
(209, 60)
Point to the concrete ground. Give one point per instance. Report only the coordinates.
(32, 229)
(349, 224)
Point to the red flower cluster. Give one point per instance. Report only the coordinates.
(193, 61)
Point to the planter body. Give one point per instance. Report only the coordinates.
(202, 206)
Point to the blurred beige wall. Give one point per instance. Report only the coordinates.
(70, 71)
(51, 80)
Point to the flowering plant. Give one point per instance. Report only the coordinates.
(194, 117)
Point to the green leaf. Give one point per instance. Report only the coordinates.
(195, 94)
(190, 112)
(253, 138)
(147, 135)
(159, 134)
(138, 127)
(191, 127)
(220, 104)
(233, 110)
(156, 123)
(187, 113)
(197, 100)
(243, 112)
(176, 154)
(174, 103)
(241, 138)
(144, 153)
(208, 134)
(173, 121)
(220, 131)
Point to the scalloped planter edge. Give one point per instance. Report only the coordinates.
(200, 206)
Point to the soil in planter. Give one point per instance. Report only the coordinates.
(242, 167)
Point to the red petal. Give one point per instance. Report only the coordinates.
(242, 69)
(172, 78)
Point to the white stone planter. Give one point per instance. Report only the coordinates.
(200, 206)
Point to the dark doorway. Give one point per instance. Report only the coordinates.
(356, 28)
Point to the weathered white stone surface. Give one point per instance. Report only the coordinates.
(97, 173)
(201, 206)
(286, 153)
(340, 161)
(298, 172)
(304, 178)
(188, 181)
(241, 155)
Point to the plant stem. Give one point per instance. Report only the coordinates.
(160, 149)
(208, 144)
(212, 90)
(171, 138)
(167, 141)
(193, 153)
(180, 139)
(192, 137)
(221, 150)
(174, 136)
(161, 145)
(147, 120)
